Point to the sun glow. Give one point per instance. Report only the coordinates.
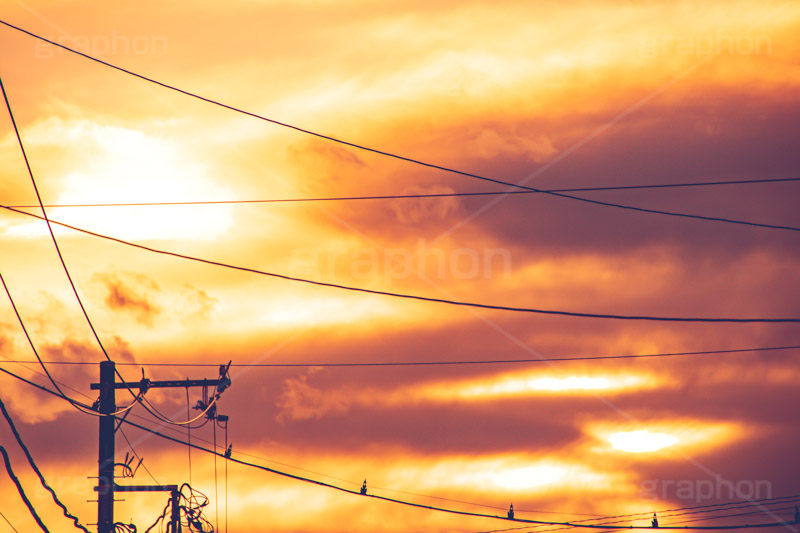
(130, 166)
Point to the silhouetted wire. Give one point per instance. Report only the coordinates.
(35, 468)
(736, 505)
(772, 512)
(392, 500)
(664, 513)
(8, 522)
(294, 467)
(136, 397)
(161, 517)
(21, 491)
(87, 409)
(389, 154)
(413, 196)
(124, 436)
(421, 298)
(441, 509)
(434, 363)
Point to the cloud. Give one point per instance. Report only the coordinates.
(425, 210)
(132, 294)
(301, 401)
(196, 305)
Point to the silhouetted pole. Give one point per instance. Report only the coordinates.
(105, 458)
(176, 512)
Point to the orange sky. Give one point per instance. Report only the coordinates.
(549, 94)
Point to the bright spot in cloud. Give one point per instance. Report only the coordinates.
(529, 477)
(641, 441)
(131, 166)
(535, 383)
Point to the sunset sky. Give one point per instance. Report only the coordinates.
(549, 95)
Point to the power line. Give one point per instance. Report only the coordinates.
(141, 461)
(136, 397)
(241, 453)
(84, 408)
(8, 522)
(412, 196)
(21, 491)
(575, 524)
(44, 215)
(432, 363)
(389, 154)
(576, 314)
(35, 468)
(443, 509)
(666, 513)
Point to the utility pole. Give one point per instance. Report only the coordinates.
(105, 457)
(107, 406)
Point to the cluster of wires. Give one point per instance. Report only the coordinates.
(191, 503)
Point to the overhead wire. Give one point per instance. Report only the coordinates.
(576, 524)
(451, 170)
(8, 522)
(444, 509)
(125, 412)
(383, 152)
(35, 468)
(141, 460)
(414, 297)
(189, 448)
(136, 397)
(87, 409)
(434, 363)
(21, 491)
(416, 196)
(294, 467)
(663, 513)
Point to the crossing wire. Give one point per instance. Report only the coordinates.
(415, 196)
(555, 312)
(576, 524)
(21, 491)
(35, 468)
(390, 154)
(429, 363)
(444, 509)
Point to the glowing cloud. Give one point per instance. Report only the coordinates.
(641, 441)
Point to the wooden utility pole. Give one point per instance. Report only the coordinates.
(106, 486)
(105, 457)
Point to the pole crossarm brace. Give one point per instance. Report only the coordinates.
(163, 384)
